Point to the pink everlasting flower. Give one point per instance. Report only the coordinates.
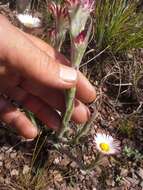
(61, 22)
(57, 10)
(87, 5)
(79, 13)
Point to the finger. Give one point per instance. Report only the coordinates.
(43, 109)
(8, 79)
(32, 62)
(85, 91)
(50, 117)
(56, 99)
(17, 119)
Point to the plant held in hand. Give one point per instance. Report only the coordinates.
(79, 29)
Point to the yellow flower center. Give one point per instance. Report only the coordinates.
(29, 24)
(104, 147)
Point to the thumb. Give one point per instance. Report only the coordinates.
(32, 63)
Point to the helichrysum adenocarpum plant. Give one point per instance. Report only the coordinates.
(79, 28)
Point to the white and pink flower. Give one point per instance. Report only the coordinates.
(29, 21)
(106, 144)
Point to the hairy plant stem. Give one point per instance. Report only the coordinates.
(70, 94)
(76, 57)
(77, 52)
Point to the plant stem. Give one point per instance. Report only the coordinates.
(76, 57)
(70, 94)
(77, 52)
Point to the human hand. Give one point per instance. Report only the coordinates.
(35, 75)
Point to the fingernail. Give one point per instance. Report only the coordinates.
(68, 74)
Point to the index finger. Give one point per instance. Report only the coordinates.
(31, 62)
(85, 91)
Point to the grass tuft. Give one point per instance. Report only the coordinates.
(118, 24)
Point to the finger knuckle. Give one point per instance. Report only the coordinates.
(44, 63)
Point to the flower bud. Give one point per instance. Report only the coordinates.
(80, 38)
(79, 12)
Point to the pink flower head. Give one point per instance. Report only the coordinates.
(87, 5)
(57, 10)
(73, 3)
(79, 13)
(61, 22)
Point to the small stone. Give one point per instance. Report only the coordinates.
(7, 180)
(130, 56)
(25, 169)
(1, 156)
(9, 150)
(13, 155)
(141, 184)
(98, 170)
(83, 172)
(1, 163)
(4, 148)
(124, 172)
(109, 182)
(8, 165)
(140, 173)
(57, 161)
(14, 172)
(1, 180)
(73, 164)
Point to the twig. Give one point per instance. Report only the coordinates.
(95, 56)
